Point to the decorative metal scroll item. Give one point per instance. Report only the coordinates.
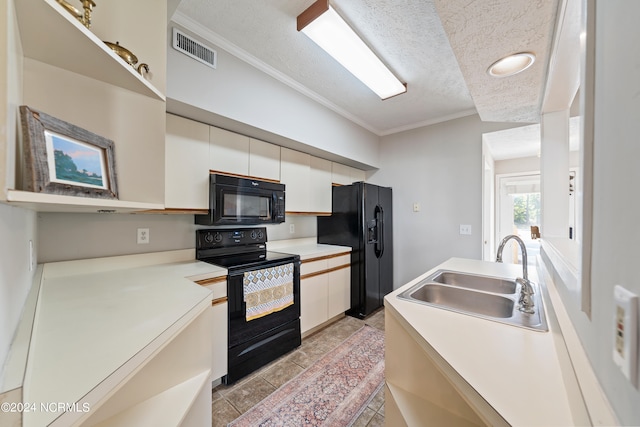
(128, 57)
(82, 16)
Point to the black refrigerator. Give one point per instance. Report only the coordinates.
(362, 218)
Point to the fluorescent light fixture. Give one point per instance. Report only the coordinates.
(322, 24)
(512, 64)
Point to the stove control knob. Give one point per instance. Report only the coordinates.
(208, 237)
(260, 234)
(254, 234)
(217, 238)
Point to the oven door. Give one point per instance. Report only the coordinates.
(254, 343)
(241, 330)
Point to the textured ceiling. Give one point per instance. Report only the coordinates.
(482, 32)
(409, 36)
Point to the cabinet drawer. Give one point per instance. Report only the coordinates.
(340, 261)
(313, 266)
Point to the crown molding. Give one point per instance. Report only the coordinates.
(465, 113)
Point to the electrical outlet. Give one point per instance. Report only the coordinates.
(416, 207)
(143, 236)
(465, 229)
(625, 347)
(292, 228)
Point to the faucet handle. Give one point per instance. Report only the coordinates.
(525, 302)
(525, 286)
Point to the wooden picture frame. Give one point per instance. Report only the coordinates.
(64, 159)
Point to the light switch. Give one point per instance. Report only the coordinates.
(625, 339)
(465, 229)
(416, 207)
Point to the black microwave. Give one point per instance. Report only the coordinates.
(234, 200)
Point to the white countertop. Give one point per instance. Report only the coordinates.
(307, 248)
(94, 316)
(515, 370)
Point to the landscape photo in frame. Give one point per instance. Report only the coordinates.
(65, 159)
(75, 162)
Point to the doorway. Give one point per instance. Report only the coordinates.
(518, 209)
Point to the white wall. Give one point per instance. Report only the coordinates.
(440, 167)
(17, 228)
(236, 90)
(616, 177)
(615, 212)
(65, 236)
(523, 164)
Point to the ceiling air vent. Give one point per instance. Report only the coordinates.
(194, 49)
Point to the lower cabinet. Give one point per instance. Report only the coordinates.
(325, 289)
(219, 353)
(219, 319)
(171, 387)
(425, 394)
(339, 289)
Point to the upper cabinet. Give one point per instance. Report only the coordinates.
(240, 155)
(186, 164)
(345, 175)
(264, 160)
(320, 186)
(308, 181)
(67, 71)
(295, 173)
(229, 152)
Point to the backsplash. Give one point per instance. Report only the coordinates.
(67, 236)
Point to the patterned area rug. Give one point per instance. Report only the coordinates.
(332, 392)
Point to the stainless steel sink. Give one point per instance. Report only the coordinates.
(482, 283)
(490, 298)
(463, 300)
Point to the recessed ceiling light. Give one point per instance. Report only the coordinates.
(512, 64)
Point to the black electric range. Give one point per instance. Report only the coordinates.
(252, 342)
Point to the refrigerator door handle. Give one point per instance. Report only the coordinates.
(379, 215)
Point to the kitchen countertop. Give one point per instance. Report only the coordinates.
(519, 372)
(94, 316)
(307, 248)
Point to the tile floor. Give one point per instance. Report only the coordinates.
(229, 402)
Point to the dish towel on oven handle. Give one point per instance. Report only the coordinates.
(268, 290)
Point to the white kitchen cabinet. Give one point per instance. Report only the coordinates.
(264, 160)
(219, 339)
(320, 185)
(172, 387)
(219, 356)
(229, 152)
(324, 289)
(238, 154)
(308, 181)
(339, 288)
(345, 175)
(357, 175)
(186, 164)
(313, 297)
(295, 171)
(109, 97)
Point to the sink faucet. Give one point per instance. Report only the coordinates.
(525, 302)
